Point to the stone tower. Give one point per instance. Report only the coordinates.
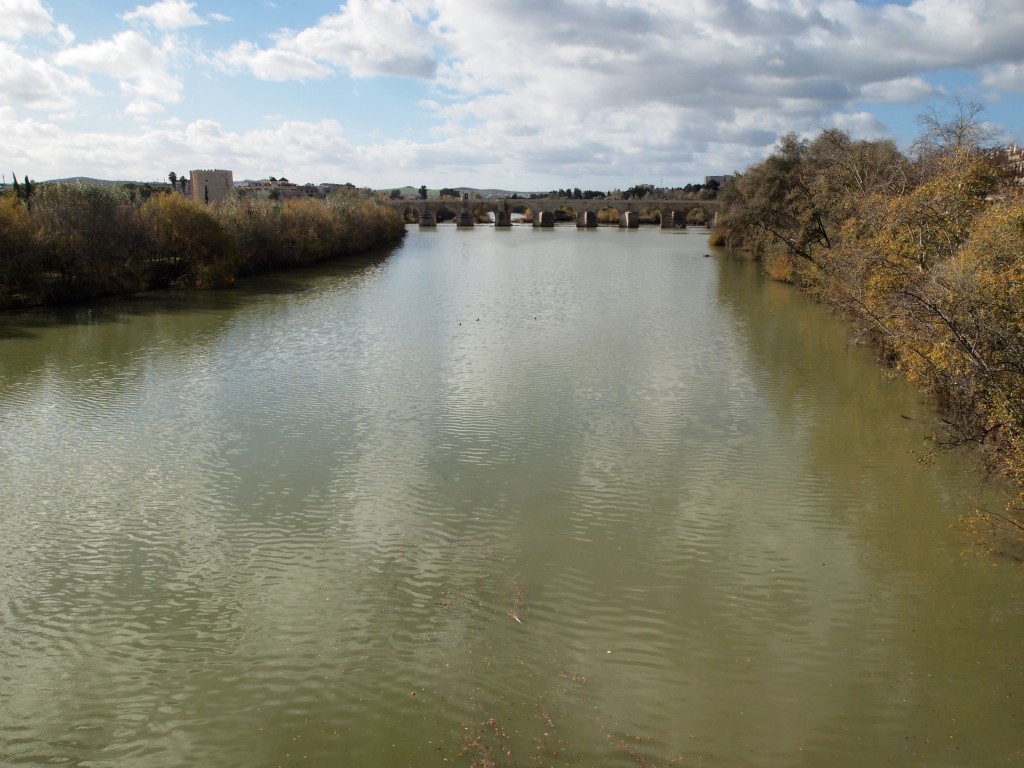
(211, 186)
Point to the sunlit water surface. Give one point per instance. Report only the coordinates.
(566, 498)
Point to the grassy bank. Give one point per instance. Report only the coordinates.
(71, 243)
(923, 254)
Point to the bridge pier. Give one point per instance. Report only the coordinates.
(544, 219)
(674, 213)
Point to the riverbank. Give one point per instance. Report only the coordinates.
(921, 255)
(70, 243)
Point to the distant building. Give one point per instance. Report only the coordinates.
(1014, 163)
(328, 188)
(273, 188)
(721, 180)
(211, 186)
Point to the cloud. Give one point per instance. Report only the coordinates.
(276, 64)
(366, 37)
(24, 17)
(141, 69)
(314, 150)
(536, 92)
(372, 37)
(1005, 76)
(637, 79)
(166, 15)
(35, 83)
(859, 124)
(903, 90)
(614, 87)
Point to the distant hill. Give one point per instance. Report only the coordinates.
(86, 181)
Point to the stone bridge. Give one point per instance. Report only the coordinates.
(670, 213)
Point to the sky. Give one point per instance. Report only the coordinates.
(523, 95)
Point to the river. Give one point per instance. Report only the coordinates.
(496, 498)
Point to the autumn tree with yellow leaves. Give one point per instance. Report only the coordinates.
(923, 255)
(77, 242)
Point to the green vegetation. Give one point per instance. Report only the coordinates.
(64, 242)
(697, 216)
(923, 255)
(577, 194)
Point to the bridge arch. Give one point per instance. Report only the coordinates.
(544, 211)
(410, 213)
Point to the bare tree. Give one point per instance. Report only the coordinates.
(956, 131)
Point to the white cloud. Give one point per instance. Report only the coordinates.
(65, 34)
(372, 37)
(166, 15)
(141, 68)
(860, 124)
(903, 90)
(303, 150)
(366, 37)
(595, 92)
(1006, 76)
(613, 87)
(24, 17)
(36, 83)
(622, 76)
(276, 64)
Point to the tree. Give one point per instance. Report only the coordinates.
(188, 245)
(173, 178)
(957, 131)
(987, 275)
(423, 192)
(697, 216)
(775, 206)
(638, 191)
(24, 192)
(89, 239)
(396, 194)
(18, 254)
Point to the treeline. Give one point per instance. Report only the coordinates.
(922, 253)
(65, 242)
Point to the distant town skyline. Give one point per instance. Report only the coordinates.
(521, 94)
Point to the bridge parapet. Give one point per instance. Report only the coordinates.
(672, 213)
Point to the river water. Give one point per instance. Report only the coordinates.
(497, 498)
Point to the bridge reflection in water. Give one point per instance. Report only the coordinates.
(671, 213)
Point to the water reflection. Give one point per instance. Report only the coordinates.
(532, 493)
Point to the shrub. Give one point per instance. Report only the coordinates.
(89, 240)
(19, 258)
(188, 247)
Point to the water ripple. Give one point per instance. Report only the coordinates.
(590, 500)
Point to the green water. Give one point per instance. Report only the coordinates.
(558, 498)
